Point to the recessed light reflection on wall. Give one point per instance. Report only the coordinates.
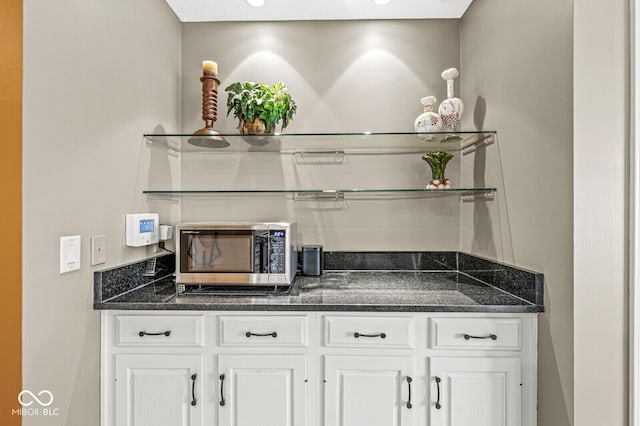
(381, 2)
(257, 3)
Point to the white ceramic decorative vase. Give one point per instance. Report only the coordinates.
(428, 121)
(451, 108)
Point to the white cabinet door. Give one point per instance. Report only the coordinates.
(158, 390)
(264, 390)
(368, 390)
(475, 391)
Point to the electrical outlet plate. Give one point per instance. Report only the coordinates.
(98, 249)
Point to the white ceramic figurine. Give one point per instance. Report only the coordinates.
(451, 108)
(428, 121)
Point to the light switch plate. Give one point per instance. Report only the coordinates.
(70, 253)
(98, 249)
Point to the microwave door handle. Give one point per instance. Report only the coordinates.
(190, 248)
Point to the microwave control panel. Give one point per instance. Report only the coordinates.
(277, 251)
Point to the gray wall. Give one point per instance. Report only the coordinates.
(92, 73)
(516, 62)
(346, 76)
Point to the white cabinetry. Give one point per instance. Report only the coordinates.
(278, 331)
(262, 370)
(158, 330)
(158, 390)
(266, 390)
(368, 390)
(478, 370)
(475, 391)
(375, 332)
(318, 369)
(368, 369)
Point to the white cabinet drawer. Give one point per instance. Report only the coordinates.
(475, 333)
(369, 332)
(159, 330)
(258, 330)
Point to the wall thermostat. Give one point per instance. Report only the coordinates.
(142, 229)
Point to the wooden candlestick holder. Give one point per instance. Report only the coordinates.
(207, 137)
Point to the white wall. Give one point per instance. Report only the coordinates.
(516, 78)
(97, 75)
(601, 135)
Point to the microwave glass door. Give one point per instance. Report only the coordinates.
(218, 251)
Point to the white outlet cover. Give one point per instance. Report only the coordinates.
(70, 249)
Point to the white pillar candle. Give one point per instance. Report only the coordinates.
(210, 67)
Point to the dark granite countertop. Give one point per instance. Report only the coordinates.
(444, 290)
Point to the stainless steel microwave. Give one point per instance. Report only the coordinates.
(236, 254)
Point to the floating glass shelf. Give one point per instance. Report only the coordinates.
(315, 194)
(327, 143)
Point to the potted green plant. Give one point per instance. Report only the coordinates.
(259, 107)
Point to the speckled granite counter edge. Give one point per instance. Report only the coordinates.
(319, 308)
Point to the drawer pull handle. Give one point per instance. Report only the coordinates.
(380, 335)
(409, 380)
(222, 402)
(194, 400)
(249, 334)
(489, 336)
(165, 333)
(438, 406)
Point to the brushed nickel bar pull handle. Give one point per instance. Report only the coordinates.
(380, 335)
(489, 336)
(194, 400)
(249, 334)
(409, 380)
(144, 333)
(222, 402)
(438, 380)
